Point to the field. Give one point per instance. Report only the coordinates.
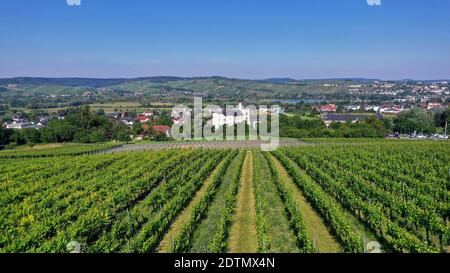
(51, 150)
(108, 107)
(323, 197)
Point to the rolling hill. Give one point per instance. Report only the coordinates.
(212, 86)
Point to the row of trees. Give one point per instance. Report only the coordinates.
(421, 121)
(297, 127)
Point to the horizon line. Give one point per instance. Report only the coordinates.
(225, 77)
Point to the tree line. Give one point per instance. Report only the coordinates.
(80, 125)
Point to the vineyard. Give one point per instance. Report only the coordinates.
(57, 150)
(315, 198)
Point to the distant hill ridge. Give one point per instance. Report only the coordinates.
(211, 86)
(103, 82)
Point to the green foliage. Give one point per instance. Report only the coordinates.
(296, 219)
(375, 199)
(59, 131)
(164, 118)
(183, 241)
(84, 126)
(324, 204)
(126, 202)
(415, 120)
(263, 239)
(219, 242)
(442, 118)
(298, 127)
(5, 136)
(137, 129)
(64, 150)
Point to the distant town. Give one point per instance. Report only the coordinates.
(28, 103)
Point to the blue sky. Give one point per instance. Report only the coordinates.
(234, 38)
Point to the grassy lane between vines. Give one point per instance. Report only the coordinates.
(323, 203)
(151, 233)
(167, 242)
(202, 236)
(276, 227)
(243, 235)
(317, 230)
(131, 187)
(356, 226)
(131, 221)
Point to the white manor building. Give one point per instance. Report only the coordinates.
(237, 116)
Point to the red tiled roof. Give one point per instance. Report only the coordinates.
(142, 118)
(161, 129)
(328, 108)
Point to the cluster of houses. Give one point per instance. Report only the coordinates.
(143, 118)
(19, 123)
(387, 108)
(329, 115)
(23, 123)
(433, 106)
(382, 109)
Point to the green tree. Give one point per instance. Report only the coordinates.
(17, 138)
(82, 136)
(442, 118)
(164, 118)
(136, 129)
(58, 131)
(415, 120)
(31, 136)
(5, 136)
(97, 136)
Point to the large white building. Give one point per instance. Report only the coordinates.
(21, 125)
(236, 116)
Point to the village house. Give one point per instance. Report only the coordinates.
(435, 106)
(162, 129)
(20, 125)
(353, 107)
(149, 113)
(328, 119)
(327, 108)
(142, 118)
(181, 120)
(372, 108)
(127, 120)
(394, 109)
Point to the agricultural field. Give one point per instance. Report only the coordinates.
(51, 150)
(316, 198)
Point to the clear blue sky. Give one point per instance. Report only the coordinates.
(234, 38)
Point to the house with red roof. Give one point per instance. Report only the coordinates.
(148, 113)
(162, 129)
(328, 108)
(142, 118)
